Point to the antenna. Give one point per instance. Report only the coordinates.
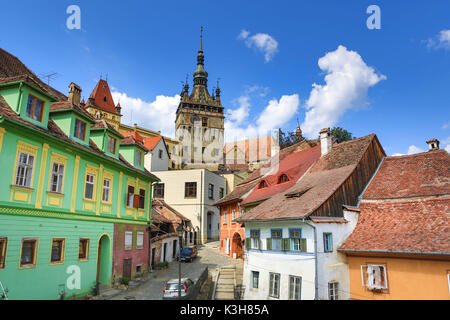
(49, 76)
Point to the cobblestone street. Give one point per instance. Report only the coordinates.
(152, 289)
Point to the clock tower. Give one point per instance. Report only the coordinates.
(199, 123)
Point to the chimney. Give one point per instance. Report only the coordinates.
(433, 144)
(74, 94)
(325, 141)
(118, 108)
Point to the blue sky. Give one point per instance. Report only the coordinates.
(393, 82)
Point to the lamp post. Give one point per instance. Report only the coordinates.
(180, 235)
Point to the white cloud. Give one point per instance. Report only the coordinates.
(347, 79)
(275, 115)
(442, 40)
(240, 114)
(446, 125)
(413, 149)
(262, 42)
(158, 115)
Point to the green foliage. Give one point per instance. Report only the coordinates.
(124, 280)
(341, 135)
(161, 265)
(286, 139)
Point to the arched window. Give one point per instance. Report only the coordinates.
(283, 178)
(263, 184)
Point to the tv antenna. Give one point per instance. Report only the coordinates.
(49, 76)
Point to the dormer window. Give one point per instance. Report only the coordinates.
(35, 108)
(112, 143)
(138, 158)
(263, 184)
(104, 98)
(283, 178)
(80, 130)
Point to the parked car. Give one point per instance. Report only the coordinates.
(170, 291)
(188, 253)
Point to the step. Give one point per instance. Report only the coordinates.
(224, 296)
(225, 281)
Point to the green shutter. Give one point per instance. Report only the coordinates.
(286, 244)
(134, 238)
(268, 243)
(303, 245)
(247, 243)
(121, 236)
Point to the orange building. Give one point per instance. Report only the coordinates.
(400, 248)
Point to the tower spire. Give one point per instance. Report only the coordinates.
(201, 38)
(200, 74)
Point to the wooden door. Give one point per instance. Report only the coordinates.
(126, 268)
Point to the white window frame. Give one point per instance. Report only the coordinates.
(91, 183)
(297, 287)
(333, 290)
(139, 240)
(255, 241)
(27, 169)
(59, 177)
(224, 220)
(274, 281)
(253, 274)
(276, 241)
(233, 215)
(106, 190)
(368, 274)
(128, 236)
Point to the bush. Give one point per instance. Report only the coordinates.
(124, 280)
(161, 265)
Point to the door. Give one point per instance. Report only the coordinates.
(165, 252)
(153, 257)
(126, 268)
(174, 249)
(104, 267)
(209, 225)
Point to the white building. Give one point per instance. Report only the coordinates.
(291, 239)
(193, 193)
(157, 159)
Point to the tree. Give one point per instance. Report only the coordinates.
(341, 135)
(286, 139)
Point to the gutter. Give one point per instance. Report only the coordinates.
(20, 97)
(316, 278)
(386, 251)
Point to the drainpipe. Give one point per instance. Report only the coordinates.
(150, 230)
(20, 97)
(316, 278)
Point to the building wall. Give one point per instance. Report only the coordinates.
(408, 279)
(46, 280)
(228, 230)
(195, 209)
(153, 163)
(138, 256)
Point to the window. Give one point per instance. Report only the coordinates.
(158, 190)
(83, 249)
(204, 122)
(140, 240)
(35, 108)
(220, 193)
(24, 170)
(130, 196)
(3, 244)
(80, 130)
(276, 239)
(89, 190)
(57, 254)
(28, 255)
(224, 218)
(283, 178)
(141, 198)
(138, 158)
(112, 145)
(190, 190)
(274, 285)
(333, 289)
(56, 182)
(106, 189)
(295, 287)
(374, 277)
(160, 153)
(211, 191)
(254, 235)
(263, 184)
(295, 236)
(327, 242)
(255, 279)
(233, 215)
(128, 240)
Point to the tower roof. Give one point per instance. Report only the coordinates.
(102, 98)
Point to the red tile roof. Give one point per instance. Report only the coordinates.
(67, 105)
(417, 175)
(418, 226)
(318, 184)
(102, 124)
(100, 92)
(239, 192)
(151, 142)
(294, 165)
(136, 136)
(131, 140)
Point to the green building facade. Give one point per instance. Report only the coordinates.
(64, 185)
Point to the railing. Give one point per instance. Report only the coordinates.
(4, 295)
(213, 296)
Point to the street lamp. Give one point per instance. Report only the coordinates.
(180, 235)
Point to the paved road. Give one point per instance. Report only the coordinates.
(208, 255)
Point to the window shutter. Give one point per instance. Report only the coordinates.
(269, 243)
(121, 236)
(136, 201)
(286, 244)
(364, 274)
(247, 243)
(134, 239)
(303, 245)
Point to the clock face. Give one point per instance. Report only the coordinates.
(195, 118)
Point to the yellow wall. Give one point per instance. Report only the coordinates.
(407, 279)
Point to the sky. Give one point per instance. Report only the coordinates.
(279, 62)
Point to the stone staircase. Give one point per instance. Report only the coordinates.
(225, 284)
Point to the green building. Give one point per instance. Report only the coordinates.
(65, 187)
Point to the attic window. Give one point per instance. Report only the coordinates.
(104, 98)
(296, 194)
(283, 178)
(263, 184)
(35, 108)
